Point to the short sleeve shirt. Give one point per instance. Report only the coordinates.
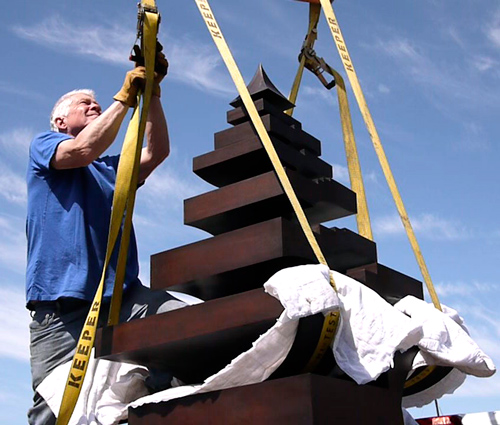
(67, 225)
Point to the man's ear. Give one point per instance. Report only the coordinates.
(61, 124)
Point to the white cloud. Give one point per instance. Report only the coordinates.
(421, 68)
(426, 225)
(111, 44)
(474, 137)
(14, 146)
(159, 209)
(12, 186)
(479, 387)
(372, 177)
(341, 173)
(452, 33)
(14, 332)
(319, 92)
(15, 143)
(191, 62)
(465, 288)
(199, 65)
(8, 87)
(382, 88)
(493, 30)
(484, 63)
(13, 244)
(486, 319)
(144, 274)
(435, 227)
(436, 76)
(169, 185)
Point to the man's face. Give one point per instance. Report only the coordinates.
(83, 110)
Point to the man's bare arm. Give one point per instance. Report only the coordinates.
(92, 141)
(158, 144)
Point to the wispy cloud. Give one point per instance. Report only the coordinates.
(382, 88)
(274, 24)
(159, 218)
(319, 93)
(417, 64)
(14, 144)
(473, 137)
(484, 63)
(461, 288)
(477, 387)
(13, 243)
(475, 301)
(12, 186)
(9, 88)
(169, 185)
(14, 334)
(493, 29)
(191, 62)
(436, 76)
(451, 32)
(199, 65)
(427, 225)
(372, 177)
(110, 44)
(341, 173)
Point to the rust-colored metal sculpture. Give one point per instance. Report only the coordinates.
(256, 235)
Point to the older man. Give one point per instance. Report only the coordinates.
(70, 190)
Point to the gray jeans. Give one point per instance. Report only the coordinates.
(56, 327)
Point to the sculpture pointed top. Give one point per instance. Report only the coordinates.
(262, 87)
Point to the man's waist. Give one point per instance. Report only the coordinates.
(61, 305)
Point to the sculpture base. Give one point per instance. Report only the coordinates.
(298, 400)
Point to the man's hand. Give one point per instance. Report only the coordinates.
(134, 80)
(161, 69)
(161, 65)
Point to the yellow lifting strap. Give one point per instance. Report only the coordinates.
(355, 175)
(123, 203)
(311, 36)
(131, 151)
(358, 93)
(317, 65)
(216, 33)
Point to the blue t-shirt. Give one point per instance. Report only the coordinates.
(67, 226)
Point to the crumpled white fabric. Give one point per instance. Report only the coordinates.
(303, 290)
(107, 389)
(370, 332)
(445, 340)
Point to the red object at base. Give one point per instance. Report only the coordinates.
(441, 420)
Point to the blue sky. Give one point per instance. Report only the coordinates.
(430, 72)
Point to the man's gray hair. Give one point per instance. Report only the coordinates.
(61, 108)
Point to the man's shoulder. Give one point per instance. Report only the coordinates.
(50, 135)
(42, 148)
